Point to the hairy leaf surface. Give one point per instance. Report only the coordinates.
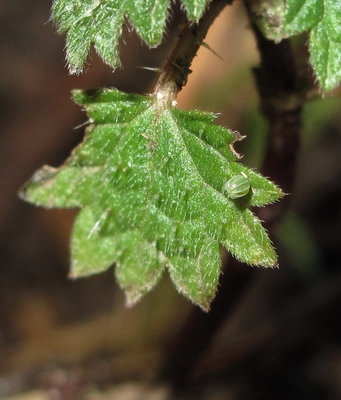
(278, 19)
(100, 22)
(322, 18)
(149, 180)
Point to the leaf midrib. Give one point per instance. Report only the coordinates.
(202, 180)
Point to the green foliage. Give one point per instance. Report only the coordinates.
(149, 180)
(280, 19)
(322, 18)
(100, 22)
(159, 187)
(195, 8)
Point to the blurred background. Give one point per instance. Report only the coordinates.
(65, 339)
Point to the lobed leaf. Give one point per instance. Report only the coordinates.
(100, 22)
(149, 180)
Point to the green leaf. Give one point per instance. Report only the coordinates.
(322, 18)
(100, 22)
(150, 179)
(195, 8)
(325, 56)
(302, 15)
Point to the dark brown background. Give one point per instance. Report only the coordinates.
(64, 339)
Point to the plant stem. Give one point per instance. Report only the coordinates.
(177, 67)
(281, 100)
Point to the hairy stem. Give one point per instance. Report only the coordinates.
(177, 67)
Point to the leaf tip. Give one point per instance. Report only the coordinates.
(78, 96)
(36, 189)
(132, 298)
(206, 307)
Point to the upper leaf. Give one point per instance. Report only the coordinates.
(150, 181)
(323, 19)
(195, 8)
(100, 22)
(278, 19)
